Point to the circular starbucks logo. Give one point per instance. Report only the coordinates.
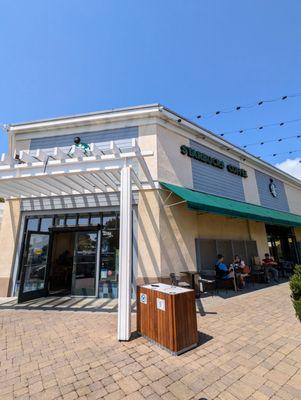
(273, 188)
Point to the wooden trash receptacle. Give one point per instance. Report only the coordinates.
(166, 314)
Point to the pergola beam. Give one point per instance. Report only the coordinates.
(95, 150)
(25, 157)
(108, 181)
(18, 187)
(7, 160)
(114, 149)
(38, 188)
(44, 184)
(58, 185)
(96, 180)
(82, 181)
(141, 161)
(41, 155)
(59, 154)
(72, 184)
(57, 174)
(136, 180)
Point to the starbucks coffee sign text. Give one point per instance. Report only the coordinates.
(215, 162)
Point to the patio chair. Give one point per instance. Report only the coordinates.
(257, 271)
(224, 284)
(207, 281)
(176, 281)
(286, 268)
(210, 282)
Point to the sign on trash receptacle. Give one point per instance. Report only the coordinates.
(143, 298)
(160, 304)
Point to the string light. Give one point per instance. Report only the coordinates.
(247, 106)
(260, 127)
(272, 141)
(278, 154)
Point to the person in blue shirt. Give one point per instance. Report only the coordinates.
(222, 271)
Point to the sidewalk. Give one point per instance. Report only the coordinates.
(250, 348)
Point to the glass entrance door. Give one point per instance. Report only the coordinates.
(282, 243)
(34, 269)
(84, 265)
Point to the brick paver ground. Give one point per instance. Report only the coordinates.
(250, 348)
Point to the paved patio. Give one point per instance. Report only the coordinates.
(250, 348)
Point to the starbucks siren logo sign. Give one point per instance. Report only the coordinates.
(273, 188)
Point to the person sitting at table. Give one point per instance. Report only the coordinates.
(269, 264)
(241, 270)
(221, 269)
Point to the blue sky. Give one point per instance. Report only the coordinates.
(69, 56)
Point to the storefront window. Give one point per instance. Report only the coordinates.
(33, 224)
(85, 257)
(109, 263)
(95, 219)
(60, 220)
(71, 220)
(46, 223)
(35, 263)
(83, 220)
(109, 221)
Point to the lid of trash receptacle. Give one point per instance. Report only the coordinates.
(164, 288)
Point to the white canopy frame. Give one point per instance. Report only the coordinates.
(37, 174)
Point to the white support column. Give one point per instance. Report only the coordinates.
(125, 256)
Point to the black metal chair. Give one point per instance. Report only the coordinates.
(212, 283)
(176, 281)
(207, 283)
(258, 273)
(286, 268)
(224, 284)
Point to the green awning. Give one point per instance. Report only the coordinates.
(221, 205)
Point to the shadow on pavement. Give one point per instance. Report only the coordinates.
(64, 304)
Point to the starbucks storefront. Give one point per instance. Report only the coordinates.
(69, 254)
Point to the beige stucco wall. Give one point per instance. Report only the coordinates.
(147, 141)
(166, 235)
(148, 235)
(178, 230)
(258, 233)
(212, 226)
(250, 185)
(293, 198)
(171, 167)
(8, 238)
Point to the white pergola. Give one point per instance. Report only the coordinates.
(36, 174)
